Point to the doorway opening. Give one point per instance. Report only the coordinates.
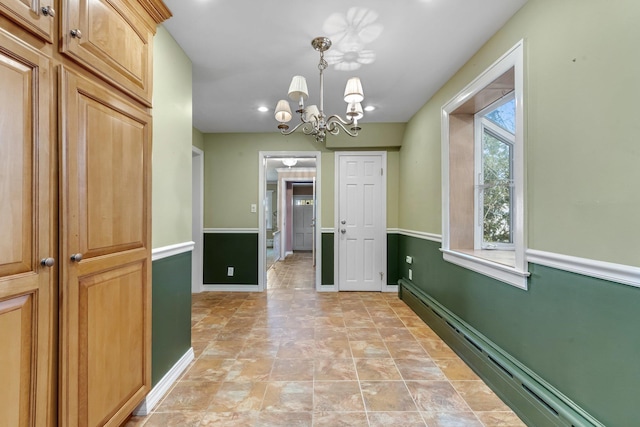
(289, 221)
(197, 186)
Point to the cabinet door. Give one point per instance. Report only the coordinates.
(105, 220)
(34, 15)
(112, 39)
(27, 218)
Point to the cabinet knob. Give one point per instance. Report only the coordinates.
(48, 11)
(76, 34)
(47, 262)
(76, 257)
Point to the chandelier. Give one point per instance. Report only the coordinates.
(313, 120)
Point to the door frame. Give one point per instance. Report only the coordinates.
(383, 228)
(285, 201)
(262, 230)
(197, 218)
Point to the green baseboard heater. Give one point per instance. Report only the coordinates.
(535, 401)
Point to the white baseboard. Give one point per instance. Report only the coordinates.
(230, 288)
(327, 288)
(163, 386)
(390, 288)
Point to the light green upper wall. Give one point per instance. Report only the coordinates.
(231, 173)
(172, 140)
(198, 139)
(582, 154)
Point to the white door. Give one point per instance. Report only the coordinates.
(303, 223)
(361, 224)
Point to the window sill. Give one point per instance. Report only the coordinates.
(489, 265)
(506, 258)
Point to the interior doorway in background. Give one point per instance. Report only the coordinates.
(284, 175)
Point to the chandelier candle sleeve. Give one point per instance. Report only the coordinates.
(355, 110)
(313, 120)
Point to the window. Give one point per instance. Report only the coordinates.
(494, 138)
(483, 218)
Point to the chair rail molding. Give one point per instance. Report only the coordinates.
(620, 273)
(171, 250)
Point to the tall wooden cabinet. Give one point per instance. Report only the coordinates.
(75, 171)
(28, 278)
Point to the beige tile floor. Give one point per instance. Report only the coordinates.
(293, 357)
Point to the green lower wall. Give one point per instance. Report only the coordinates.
(327, 259)
(171, 313)
(237, 250)
(577, 333)
(392, 259)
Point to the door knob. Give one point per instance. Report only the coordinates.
(76, 257)
(343, 231)
(343, 222)
(47, 262)
(48, 11)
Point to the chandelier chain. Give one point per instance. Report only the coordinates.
(323, 64)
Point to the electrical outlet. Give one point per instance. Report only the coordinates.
(410, 274)
(254, 208)
(230, 271)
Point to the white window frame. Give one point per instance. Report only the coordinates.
(517, 273)
(481, 123)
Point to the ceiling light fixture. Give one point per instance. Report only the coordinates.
(289, 161)
(263, 109)
(312, 119)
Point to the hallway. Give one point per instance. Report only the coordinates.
(296, 271)
(289, 357)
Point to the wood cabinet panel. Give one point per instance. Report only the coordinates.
(113, 40)
(27, 214)
(34, 15)
(106, 322)
(111, 327)
(17, 333)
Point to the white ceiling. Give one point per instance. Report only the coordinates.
(244, 53)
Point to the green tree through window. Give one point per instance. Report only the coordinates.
(495, 184)
(496, 155)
